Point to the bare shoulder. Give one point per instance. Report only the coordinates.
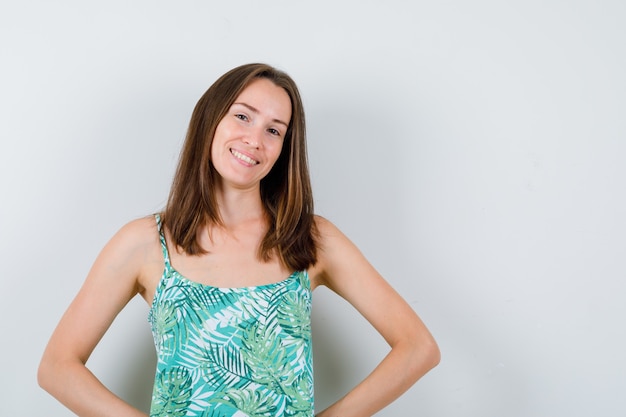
(327, 235)
(132, 243)
(139, 240)
(134, 252)
(139, 232)
(325, 229)
(335, 253)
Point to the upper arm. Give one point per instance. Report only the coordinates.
(112, 281)
(342, 268)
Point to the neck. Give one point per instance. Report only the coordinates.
(240, 206)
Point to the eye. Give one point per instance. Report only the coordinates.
(273, 131)
(241, 117)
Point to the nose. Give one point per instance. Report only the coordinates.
(253, 138)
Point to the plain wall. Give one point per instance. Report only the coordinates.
(474, 151)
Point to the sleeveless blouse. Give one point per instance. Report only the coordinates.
(231, 352)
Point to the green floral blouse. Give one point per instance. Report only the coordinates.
(231, 352)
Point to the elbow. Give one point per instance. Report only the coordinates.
(426, 355)
(42, 379)
(50, 372)
(433, 353)
(45, 374)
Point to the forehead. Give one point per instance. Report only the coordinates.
(267, 98)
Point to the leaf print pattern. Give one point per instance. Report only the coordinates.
(232, 352)
(174, 390)
(254, 403)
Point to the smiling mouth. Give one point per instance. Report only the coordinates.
(243, 157)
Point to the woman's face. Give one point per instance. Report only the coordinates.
(249, 139)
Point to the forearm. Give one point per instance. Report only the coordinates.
(398, 371)
(77, 388)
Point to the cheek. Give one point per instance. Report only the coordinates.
(222, 131)
(276, 148)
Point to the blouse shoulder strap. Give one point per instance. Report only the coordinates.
(166, 254)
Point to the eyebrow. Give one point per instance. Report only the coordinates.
(253, 109)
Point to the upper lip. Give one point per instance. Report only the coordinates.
(245, 153)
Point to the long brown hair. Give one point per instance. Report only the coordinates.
(285, 192)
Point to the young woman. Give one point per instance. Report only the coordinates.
(228, 269)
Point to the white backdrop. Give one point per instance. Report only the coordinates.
(472, 150)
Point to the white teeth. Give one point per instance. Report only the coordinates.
(243, 157)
